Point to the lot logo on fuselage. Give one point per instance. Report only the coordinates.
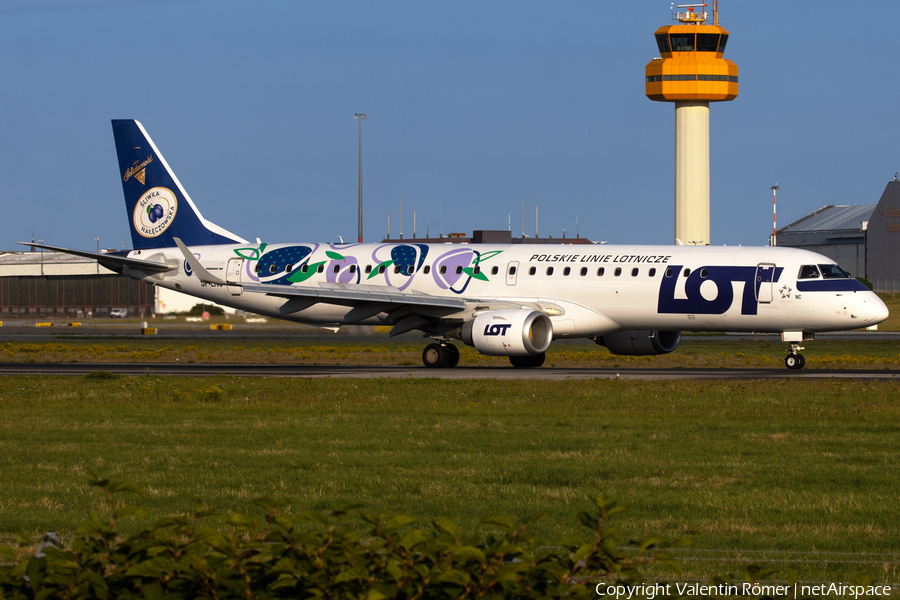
(154, 212)
(710, 290)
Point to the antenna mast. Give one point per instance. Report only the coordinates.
(716, 13)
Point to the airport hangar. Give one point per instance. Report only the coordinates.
(41, 285)
(864, 239)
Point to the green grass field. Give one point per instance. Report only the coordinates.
(854, 353)
(781, 465)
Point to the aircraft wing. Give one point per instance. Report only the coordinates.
(407, 310)
(113, 262)
(351, 295)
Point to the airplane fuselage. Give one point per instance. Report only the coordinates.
(586, 290)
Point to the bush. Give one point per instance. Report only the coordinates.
(315, 555)
(213, 310)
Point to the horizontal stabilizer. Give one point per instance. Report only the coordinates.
(110, 260)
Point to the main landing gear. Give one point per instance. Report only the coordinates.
(527, 362)
(438, 356)
(794, 360)
(441, 355)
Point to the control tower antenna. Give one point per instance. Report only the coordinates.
(691, 72)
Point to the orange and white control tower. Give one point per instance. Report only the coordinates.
(691, 72)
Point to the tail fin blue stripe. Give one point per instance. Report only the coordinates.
(159, 209)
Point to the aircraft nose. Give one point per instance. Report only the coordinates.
(875, 310)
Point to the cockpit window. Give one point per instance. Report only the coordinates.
(809, 272)
(834, 272)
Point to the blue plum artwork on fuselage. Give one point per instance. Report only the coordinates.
(395, 265)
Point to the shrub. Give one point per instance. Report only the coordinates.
(101, 375)
(212, 309)
(315, 555)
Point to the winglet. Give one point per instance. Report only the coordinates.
(202, 274)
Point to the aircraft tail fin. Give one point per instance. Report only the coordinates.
(159, 209)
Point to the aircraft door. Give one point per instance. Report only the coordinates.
(512, 270)
(765, 276)
(233, 275)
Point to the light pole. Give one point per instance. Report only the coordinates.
(359, 117)
(775, 189)
(96, 239)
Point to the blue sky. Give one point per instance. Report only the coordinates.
(472, 106)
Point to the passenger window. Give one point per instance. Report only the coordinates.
(409, 270)
(618, 271)
(583, 271)
(443, 269)
(532, 270)
(396, 268)
(336, 268)
(669, 272)
(321, 269)
(459, 270)
(703, 273)
(427, 269)
(257, 268)
(809, 272)
(549, 270)
(476, 270)
(652, 273)
(566, 271)
(304, 268)
(289, 268)
(687, 272)
(353, 268)
(600, 272)
(273, 267)
(495, 270)
(368, 269)
(634, 272)
(380, 269)
(512, 270)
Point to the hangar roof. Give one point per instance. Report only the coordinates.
(18, 263)
(832, 218)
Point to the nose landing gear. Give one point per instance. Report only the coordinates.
(794, 360)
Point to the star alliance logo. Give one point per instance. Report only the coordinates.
(785, 291)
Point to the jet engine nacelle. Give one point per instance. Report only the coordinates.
(511, 332)
(640, 342)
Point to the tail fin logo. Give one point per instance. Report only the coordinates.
(137, 170)
(154, 212)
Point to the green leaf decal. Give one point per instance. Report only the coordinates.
(334, 255)
(252, 253)
(297, 275)
(470, 271)
(487, 256)
(374, 272)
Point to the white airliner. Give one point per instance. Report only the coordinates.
(503, 300)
